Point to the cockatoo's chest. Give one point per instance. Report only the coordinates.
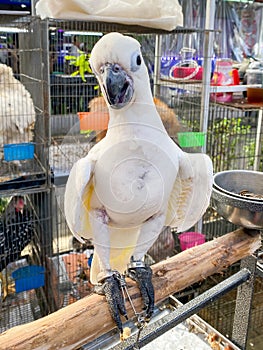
(133, 180)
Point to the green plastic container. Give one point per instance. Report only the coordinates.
(191, 139)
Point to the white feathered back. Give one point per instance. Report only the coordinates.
(17, 112)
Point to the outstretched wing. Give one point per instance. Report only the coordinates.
(79, 189)
(191, 191)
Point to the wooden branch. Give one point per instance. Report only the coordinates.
(88, 318)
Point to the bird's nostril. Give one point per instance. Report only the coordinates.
(116, 68)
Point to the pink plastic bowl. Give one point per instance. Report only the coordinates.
(191, 239)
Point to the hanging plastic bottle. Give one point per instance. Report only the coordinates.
(224, 75)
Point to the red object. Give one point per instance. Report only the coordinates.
(19, 205)
(191, 73)
(235, 75)
(191, 239)
(219, 79)
(222, 97)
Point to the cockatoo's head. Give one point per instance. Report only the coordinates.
(6, 73)
(117, 62)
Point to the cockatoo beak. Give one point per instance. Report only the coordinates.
(117, 85)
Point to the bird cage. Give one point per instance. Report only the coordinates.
(24, 245)
(24, 94)
(63, 88)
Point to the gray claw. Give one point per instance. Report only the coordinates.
(114, 297)
(143, 276)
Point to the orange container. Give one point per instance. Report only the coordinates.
(93, 120)
(254, 95)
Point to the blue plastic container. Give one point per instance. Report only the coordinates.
(19, 151)
(29, 277)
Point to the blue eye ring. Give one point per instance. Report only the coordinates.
(136, 61)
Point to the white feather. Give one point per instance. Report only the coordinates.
(74, 206)
(17, 113)
(141, 179)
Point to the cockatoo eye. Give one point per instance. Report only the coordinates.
(136, 61)
(101, 70)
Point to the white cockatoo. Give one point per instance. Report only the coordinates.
(17, 112)
(135, 180)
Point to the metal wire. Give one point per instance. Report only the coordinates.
(182, 313)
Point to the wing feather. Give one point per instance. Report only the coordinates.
(191, 191)
(79, 189)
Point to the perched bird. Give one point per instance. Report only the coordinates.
(17, 113)
(16, 231)
(134, 181)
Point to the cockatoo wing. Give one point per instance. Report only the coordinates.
(191, 191)
(78, 194)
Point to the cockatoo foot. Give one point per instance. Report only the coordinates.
(142, 274)
(113, 293)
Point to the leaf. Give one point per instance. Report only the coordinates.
(87, 67)
(82, 63)
(82, 72)
(70, 58)
(74, 73)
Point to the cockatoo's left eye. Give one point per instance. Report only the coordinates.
(136, 61)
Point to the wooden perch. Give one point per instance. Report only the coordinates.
(88, 318)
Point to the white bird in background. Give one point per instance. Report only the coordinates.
(17, 112)
(135, 180)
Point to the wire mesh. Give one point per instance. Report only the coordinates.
(220, 314)
(24, 123)
(23, 243)
(39, 61)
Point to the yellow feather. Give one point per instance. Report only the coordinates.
(119, 258)
(87, 195)
(90, 189)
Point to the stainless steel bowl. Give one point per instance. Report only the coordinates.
(232, 182)
(239, 210)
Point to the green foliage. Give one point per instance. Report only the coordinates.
(193, 125)
(81, 62)
(250, 149)
(3, 204)
(227, 141)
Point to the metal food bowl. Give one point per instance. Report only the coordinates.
(240, 210)
(232, 182)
